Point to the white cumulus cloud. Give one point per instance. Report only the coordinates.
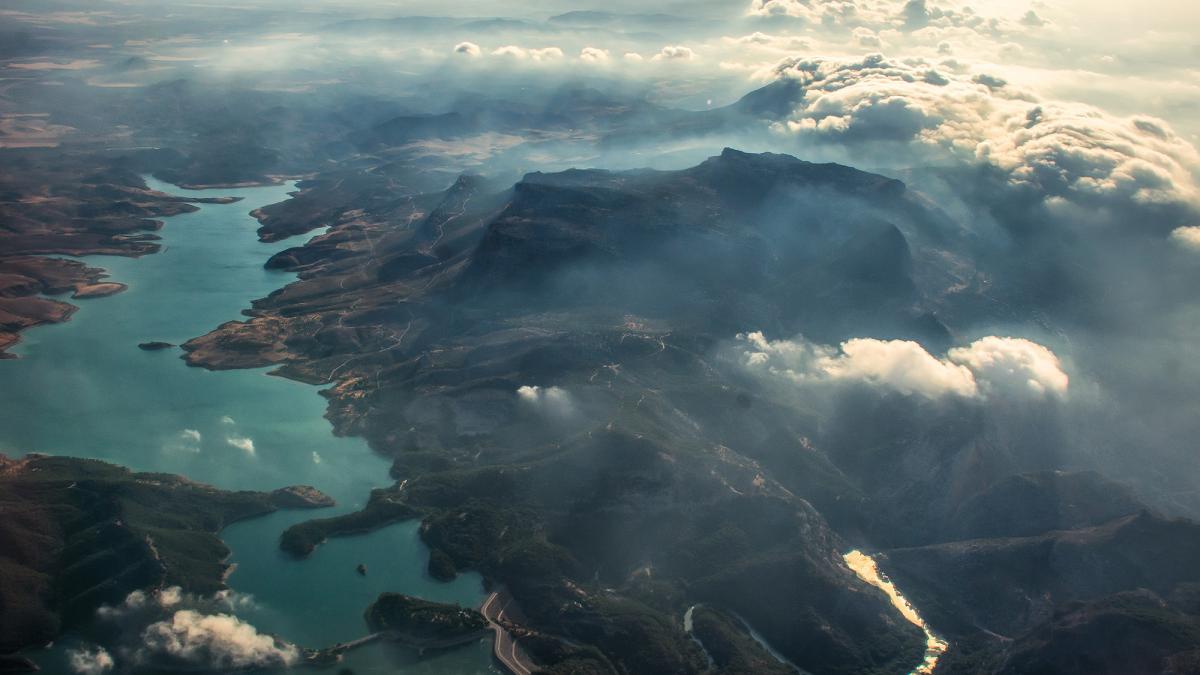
(1187, 237)
(593, 54)
(87, 661)
(215, 640)
(989, 366)
(538, 54)
(1058, 150)
(467, 49)
(187, 440)
(242, 443)
(675, 53)
(1013, 365)
(138, 601)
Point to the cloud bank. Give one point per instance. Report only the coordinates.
(991, 366)
(1055, 150)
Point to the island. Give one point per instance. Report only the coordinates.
(423, 624)
(97, 290)
(155, 345)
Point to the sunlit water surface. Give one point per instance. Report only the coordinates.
(866, 569)
(83, 388)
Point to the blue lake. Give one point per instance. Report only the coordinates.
(84, 389)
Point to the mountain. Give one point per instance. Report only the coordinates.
(1115, 598)
(544, 364)
(633, 475)
(551, 366)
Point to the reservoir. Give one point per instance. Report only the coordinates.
(83, 388)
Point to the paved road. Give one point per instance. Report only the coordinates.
(504, 647)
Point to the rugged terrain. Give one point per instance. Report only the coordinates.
(80, 533)
(549, 366)
(550, 359)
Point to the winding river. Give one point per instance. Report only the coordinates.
(866, 569)
(90, 392)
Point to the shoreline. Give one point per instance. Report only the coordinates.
(32, 276)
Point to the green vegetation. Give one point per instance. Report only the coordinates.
(78, 533)
(382, 509)
(567, 659)
(441, 566)
(733, 650)
(421, 623)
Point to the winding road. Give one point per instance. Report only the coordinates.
(504, 647)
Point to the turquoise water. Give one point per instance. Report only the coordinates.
(83, 388)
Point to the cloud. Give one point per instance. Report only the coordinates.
(1014, 366)
(242, 443)
(895, 364)
(1187, 237)
(989, 366)
(793, 8)
(633, 56)
(593, 54)
(167, 629)
(214, 641)
(234, 601)
(467, 49)
(227, 420)
(316, 458)
(551, 400)
(755, 38)
(88, 661)
(542, 54)
(1032, 20)
(907, 15)
(139, 601)
(675, 53)
(170, 596)
(187, 440)
(749, 46)
(867, 38)
(1068, 151)
(545, 54)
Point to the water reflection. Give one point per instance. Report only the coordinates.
(866, 569)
